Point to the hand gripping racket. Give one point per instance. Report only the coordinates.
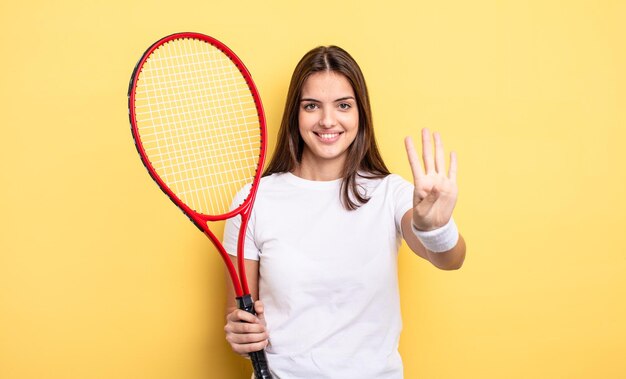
(199, 127)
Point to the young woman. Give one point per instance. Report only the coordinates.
(322, 242)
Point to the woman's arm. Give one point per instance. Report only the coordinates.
(434, 199)
(448, 260)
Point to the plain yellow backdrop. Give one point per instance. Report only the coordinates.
(102, 277)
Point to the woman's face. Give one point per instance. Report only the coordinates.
(328, 118)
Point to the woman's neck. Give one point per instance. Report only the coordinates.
(319, 171)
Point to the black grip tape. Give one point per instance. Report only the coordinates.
(259, 360)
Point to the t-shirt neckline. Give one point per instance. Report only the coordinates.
(296, 180)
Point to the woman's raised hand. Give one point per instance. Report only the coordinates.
(436, 191)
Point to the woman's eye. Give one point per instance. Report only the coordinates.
(344, 106)
(310, 106)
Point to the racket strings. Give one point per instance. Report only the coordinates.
(198, 123)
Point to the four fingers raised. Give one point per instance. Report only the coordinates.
(433, 156)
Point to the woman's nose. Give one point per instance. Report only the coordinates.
(328, 119)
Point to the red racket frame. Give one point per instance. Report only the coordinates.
(240, 283)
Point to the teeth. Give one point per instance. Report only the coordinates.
(329, 135)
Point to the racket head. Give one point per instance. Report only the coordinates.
(198, 124)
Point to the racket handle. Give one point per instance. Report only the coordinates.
(259, 360)
(259, 363)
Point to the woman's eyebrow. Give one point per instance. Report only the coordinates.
(318, 101)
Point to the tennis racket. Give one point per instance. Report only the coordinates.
(199, 127)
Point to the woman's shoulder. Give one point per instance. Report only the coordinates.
(275, 182)
(373, 181)
(265, 183)
(272, 179)
(391, 186)
(397, 180)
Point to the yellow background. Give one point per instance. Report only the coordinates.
(102, 277)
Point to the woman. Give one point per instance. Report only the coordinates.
(322, 242)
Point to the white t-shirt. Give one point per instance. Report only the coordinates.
(328, 276)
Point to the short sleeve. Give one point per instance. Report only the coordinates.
(402, 194)
(231, 230)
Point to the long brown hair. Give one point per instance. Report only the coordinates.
(363, 157)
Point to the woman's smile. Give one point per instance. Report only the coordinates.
(327, 137)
